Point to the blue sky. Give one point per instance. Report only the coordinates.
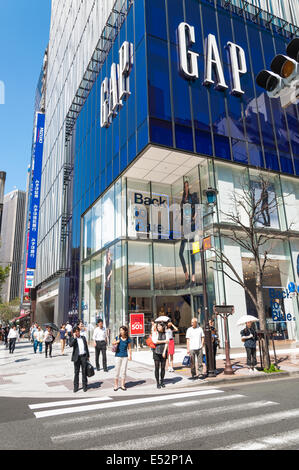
(24, 35)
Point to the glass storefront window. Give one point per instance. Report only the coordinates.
(230, 184)
(138, 213)
(85, 292)
(154, 266)
(87, 231)
(267, 190)
(280, 309)
(97, 227)
(139, 266)
(108, 225)
(164, 266)
(290, 190)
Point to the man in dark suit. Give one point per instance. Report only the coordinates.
(80, 357)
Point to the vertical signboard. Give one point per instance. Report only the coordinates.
(137, 324)
(36, 188)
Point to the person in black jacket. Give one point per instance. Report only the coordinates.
(249, 338)
(80, 357)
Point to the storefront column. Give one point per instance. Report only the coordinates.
(234, 293)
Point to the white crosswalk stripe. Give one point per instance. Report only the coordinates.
(52, 404)
(118, 404)
(158, 442)
(157, 421)
(275, 441)
(120, 413)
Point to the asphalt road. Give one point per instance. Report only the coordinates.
(263, 415)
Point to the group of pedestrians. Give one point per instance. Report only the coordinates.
(162, 337)
(38, 337)
(121, 345)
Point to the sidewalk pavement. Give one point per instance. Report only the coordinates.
(25, 374)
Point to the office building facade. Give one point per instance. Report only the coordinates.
(11, 248)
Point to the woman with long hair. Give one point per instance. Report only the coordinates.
(63, 333)
(122, 355)
(160, 354)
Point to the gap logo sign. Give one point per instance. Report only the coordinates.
(117, 88)
(213, 74)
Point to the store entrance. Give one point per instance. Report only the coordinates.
(179, 309)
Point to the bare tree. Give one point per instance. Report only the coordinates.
(245, 224)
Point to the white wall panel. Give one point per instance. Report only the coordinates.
(75, 29)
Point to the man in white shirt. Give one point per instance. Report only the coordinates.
(100, 344)
(69, 330)
(195, 342)
(13, 335)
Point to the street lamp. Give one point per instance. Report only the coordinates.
(211, 195)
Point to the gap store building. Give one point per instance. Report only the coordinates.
(176, 102)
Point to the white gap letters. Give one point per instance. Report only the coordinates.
(117, 88)
(213, 74)
(188, 59)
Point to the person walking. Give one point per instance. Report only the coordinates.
(49, 340)
(215, 340)
(80, 356)
(63, 334)
(34, 328)
(169, 336)
(6, 332)
(195, 342)
(13, 335)
(69, 330)
(122, 355)
(38, 340)
(249, 338)
(169, 314)
(160, 354)
(177, 317)
(100, 344)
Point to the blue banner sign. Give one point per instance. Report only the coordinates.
(36, 188)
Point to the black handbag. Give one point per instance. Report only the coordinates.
(89, 369)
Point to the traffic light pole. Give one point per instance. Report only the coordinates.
(207, 330)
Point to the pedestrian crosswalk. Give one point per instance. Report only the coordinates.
(208, 418)
(116, 404)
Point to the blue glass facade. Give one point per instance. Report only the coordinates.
(167, 110)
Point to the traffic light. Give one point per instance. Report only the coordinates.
(270, 81)
(283, 79)
(293, 49)
(285, 67)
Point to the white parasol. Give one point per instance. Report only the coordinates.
(246, 318)
(162, 319)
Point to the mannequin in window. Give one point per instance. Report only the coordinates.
(188, 216)
(265, 207)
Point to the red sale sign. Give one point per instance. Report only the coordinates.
(137, 324)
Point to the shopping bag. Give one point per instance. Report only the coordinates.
(89, 369)
(150, 343)
(204, 359)
(187, 361)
